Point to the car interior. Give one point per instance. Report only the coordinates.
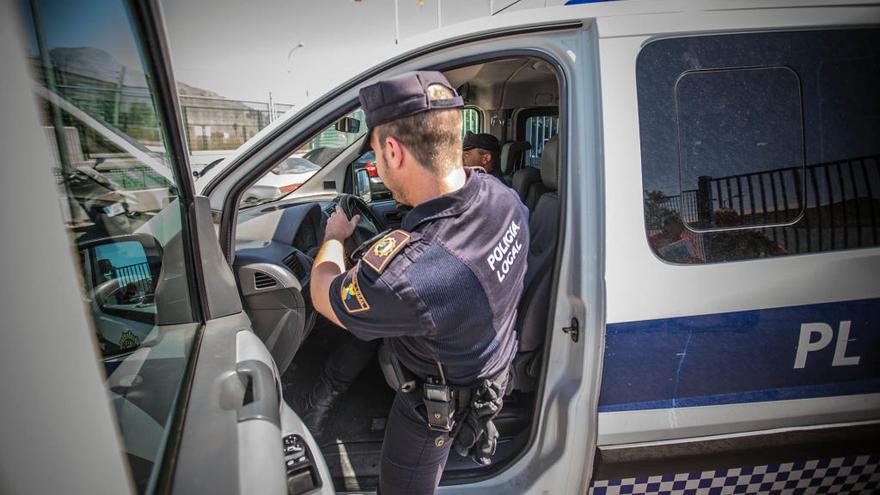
(516, 99)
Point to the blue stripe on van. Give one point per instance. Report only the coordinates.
(740, 357)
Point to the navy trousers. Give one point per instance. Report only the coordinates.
(413, 456)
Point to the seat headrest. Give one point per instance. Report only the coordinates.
(511, 154)
(550, 163)
(522, 181)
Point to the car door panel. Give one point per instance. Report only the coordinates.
(45, 417)
(232, 421)
(197, 404)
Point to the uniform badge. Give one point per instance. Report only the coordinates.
(381, 253)
(352, 297)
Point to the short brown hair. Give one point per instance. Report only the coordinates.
(433, 137)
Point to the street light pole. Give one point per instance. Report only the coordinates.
(290, 53)
(396, 23)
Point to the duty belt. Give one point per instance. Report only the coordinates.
(465, 413)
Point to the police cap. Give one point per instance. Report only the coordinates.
(403, 96)
(486, 142)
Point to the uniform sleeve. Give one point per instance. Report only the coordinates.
(370, 308)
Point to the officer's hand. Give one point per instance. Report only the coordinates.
(339, 227)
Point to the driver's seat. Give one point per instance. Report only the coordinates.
(533, 307)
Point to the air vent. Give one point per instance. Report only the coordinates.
(291, 261)
(263, 281)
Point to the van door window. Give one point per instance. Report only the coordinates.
(118, 196)
(537, 130)
(760, 145)
(471, 120)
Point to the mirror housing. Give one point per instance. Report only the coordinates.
(362, 185)
(348, 125)
(121, 270)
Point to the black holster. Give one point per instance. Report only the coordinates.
(396, 375)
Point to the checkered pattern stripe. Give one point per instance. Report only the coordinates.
(855, 474)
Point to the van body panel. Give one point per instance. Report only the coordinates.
(732, 347)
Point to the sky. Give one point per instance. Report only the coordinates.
(244, 50)
(87, 23)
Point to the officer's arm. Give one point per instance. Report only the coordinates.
(330, 262)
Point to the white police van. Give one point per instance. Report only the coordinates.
(705, 216)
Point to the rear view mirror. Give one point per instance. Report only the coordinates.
(348, 125)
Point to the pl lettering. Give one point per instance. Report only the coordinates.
(817, 336)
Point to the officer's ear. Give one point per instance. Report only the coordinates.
(394, 152)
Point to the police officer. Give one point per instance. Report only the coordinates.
(481, 150)
(442, 291)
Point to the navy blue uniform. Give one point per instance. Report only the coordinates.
(445, 289)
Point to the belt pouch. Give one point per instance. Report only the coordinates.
(440, 406)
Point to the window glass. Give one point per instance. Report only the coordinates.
(118, 194)
(323, 148)
(538, 129)
(740, 146)
(761, 144)
(306, 160)
(471, 121)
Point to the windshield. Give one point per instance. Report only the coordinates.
(295, 165)
(301, 165)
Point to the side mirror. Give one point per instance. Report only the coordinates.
(362, 185)
(121, 274)
(348, 125)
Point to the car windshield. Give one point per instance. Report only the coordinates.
(295, 165)
(306, 160)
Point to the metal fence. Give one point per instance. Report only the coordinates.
(821, 207)
(210, 122)
(134, 179)
(538, 130)
(138, 275)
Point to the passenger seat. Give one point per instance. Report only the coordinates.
(535, 302)
(527, 183)
(511, 158)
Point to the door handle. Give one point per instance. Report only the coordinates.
(393, 216)
(262, 402)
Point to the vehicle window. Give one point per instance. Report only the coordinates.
(117, 192)
(471, 120)
(301, 165)
(538, 129)
(760, 145)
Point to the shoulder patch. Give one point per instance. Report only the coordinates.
(350, 292)
(381, 253)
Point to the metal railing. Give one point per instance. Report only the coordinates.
(210, 122)
(820, 207)
(135, 179)
(137, 275)
(538, 130)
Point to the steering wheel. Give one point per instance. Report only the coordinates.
(366, 232)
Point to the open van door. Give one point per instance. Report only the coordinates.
(194, 403)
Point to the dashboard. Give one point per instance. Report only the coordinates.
(274, 252)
